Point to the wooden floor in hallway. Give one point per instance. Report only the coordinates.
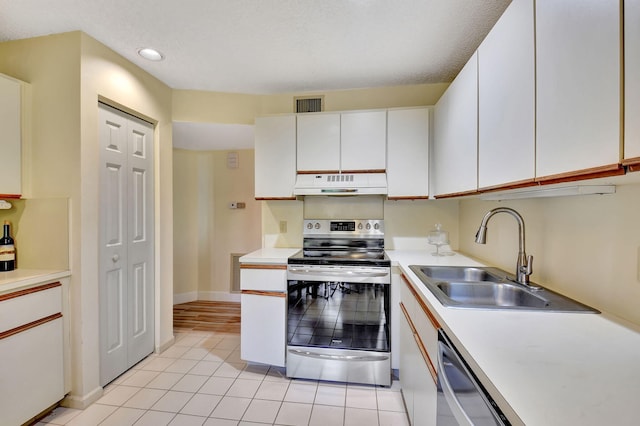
(221, 317)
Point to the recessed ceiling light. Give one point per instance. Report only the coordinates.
(150, 54)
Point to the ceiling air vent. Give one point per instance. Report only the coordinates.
(308, 104)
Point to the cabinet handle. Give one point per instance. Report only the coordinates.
(115, 258)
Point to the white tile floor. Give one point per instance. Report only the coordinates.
(201, 380)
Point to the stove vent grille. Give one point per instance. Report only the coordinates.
(340, 178)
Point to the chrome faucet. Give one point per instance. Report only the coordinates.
(524, 267)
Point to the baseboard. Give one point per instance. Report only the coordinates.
(80, 402)
(219, 296)
(191, 296)
(166, 345)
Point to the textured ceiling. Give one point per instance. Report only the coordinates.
(273, 46)
(270, 46)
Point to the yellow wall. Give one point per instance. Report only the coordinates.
(230, 108)
(68, 73)
(235, 230)
(186, 228)
(206, 231)
(586, 247)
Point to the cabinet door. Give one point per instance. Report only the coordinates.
(31, 371)
(363, 141)
(456, 134)
(318, 142)
(632, 82)
(408, 360)
(425, 396)
(578, 86)
(275, 156)
(10, 123)
(506, 104)
(263, 328)
(408, 153)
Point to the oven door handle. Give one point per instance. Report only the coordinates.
(449, 394)
(341, 273)
(310, 354)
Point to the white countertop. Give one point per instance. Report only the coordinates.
(269, 255)
(549, 368)
(22, 278)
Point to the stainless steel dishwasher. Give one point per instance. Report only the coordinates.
(462, 400)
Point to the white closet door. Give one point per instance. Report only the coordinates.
(140, 240)
(126, 242)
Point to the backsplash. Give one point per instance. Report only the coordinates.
(407, 222)
(586, 247)
(40, 228)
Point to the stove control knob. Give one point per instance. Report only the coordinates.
(317, 225)
(368, 226)
(309, 225)
(360, 226)
(376, 226)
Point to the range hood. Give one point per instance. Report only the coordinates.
(341, 184)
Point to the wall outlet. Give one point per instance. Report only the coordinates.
(283, 226)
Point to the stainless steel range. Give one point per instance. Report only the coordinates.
(338, 317)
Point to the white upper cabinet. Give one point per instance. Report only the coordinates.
(578, 86)
(10, 136)
(349, 141)
(408, 153)
(506, 99)
(275, 156)
(363, 139)
(456, 134)
(318, 142)
(632, 81)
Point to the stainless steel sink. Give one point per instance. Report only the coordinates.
(486, 293)
(490, 288)
(448, 273)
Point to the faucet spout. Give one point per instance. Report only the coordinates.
(524, 265)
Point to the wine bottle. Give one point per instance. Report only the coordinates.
(7, 250)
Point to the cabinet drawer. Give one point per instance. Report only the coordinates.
(25, 306)
(263, 277)
(31, 371)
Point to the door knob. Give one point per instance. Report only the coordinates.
(115, 258)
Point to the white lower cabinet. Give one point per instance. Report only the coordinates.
(263, 313)
(418, 344)
(409, 354)
(32, 350)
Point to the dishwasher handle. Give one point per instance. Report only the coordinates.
(452, 400)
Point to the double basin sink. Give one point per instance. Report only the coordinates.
(490, 288)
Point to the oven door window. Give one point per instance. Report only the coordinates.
(338, 315)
